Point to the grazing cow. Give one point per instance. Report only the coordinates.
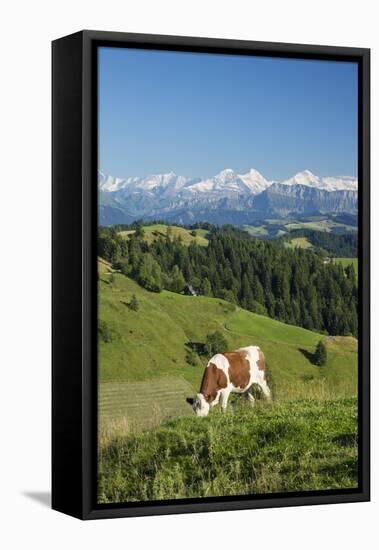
(233, 371)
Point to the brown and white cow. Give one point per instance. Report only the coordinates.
(232, 371)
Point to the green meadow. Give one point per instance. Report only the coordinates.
(154, 231)
(291, 446)
(327, 225)
(151, 444)
(348, 261)
(273, 228)
(300, 242)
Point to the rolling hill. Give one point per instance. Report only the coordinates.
(152, 446)
(154, 231)
(152, 344)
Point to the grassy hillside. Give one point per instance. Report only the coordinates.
(256, 230)
(270, 228)
(151, 444)
(327, 225)
(103, 266)
(288, 351)
(293, 446)
(300, 242)
(154, 341)
(153, 232)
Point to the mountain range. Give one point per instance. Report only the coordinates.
(227, 197)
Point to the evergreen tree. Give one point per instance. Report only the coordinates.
(149, 273)
(124, 266)
(257, 290)
(135, 254)
(178, 281)
(205, 287)
(192, 358)
(215, 343)
(320, 354)
(247, 298)
(169, 233)
(104, 332)
(139, 233)
(133, 304)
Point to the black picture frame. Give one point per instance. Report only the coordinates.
(74, 313)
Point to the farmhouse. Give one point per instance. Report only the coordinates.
(190, 290)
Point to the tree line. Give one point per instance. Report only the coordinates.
(343, 245)
(293, 286)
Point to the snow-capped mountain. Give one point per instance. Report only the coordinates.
(227, 195)
(148, 183)
(109, 183)
(255, 181)
(224, 182)
(228, 183)
(330, 183)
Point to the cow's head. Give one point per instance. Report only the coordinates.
(199, 404)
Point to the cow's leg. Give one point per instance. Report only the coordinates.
(250, 398)
(224, 396)
(216, 400)
(265, 389)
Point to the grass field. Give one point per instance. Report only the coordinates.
(256, 231)
(298, 242)
(103, 266)
(153, 232)
(144, 379)
(271, 228)
(153, 342)
(292, 446)
(128, 407)
(287, 350)
(327, 225)
(347, 261)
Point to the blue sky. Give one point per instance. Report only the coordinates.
(196, 114)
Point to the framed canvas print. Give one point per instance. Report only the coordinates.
(210, 274)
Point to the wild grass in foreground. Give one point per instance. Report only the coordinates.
(290, 446)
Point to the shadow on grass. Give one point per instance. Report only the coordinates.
(129, 305)
(197, 347)
(308, 355)
(344, 468)
(345, 440)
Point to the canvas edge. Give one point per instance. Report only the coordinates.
(83, 499)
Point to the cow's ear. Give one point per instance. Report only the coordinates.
(189, 400)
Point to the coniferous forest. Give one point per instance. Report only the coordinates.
(295, 286)
(344, 245)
